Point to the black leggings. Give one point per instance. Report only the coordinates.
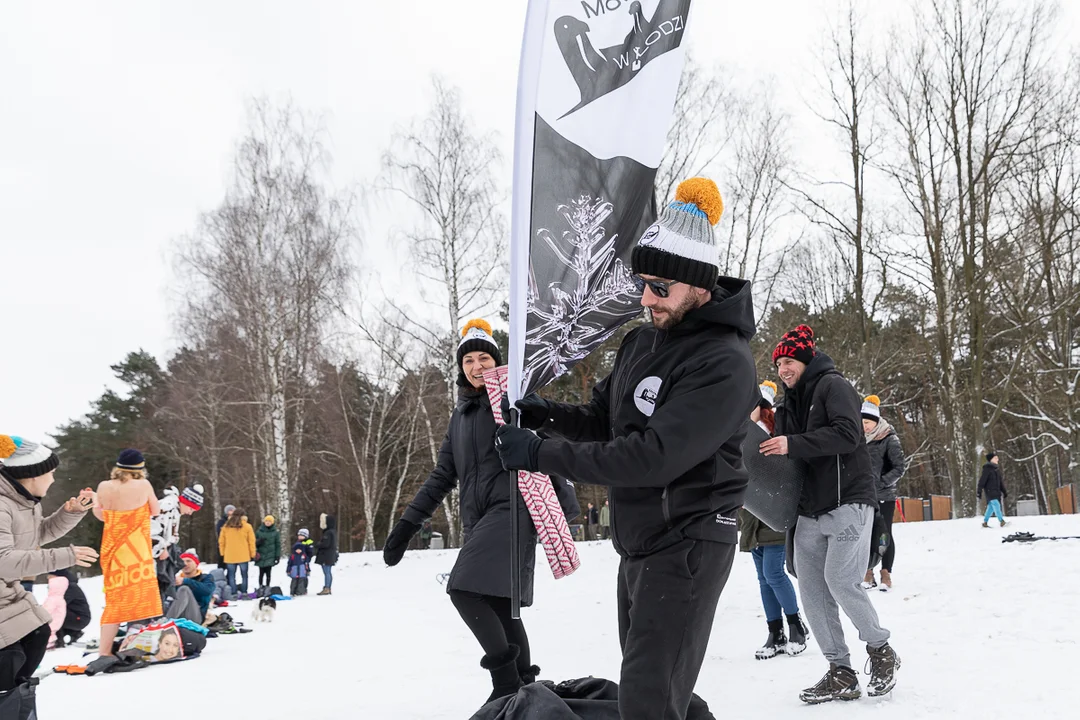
(489, 620)
(887, 509)
(264, 572)
(19, 660)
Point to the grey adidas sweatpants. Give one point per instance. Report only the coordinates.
(831, 557)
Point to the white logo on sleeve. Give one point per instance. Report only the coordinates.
(645, 394)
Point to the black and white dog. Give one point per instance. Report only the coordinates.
(265, 610)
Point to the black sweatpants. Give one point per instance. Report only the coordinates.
(667, 601)
(264, 576)
(489, 620)
(19, 660)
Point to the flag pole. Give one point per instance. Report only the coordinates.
(520, 239)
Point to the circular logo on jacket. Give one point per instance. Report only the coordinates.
(645, 394)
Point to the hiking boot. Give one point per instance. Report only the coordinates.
(1003, 524)
(886, 581)
(504, 673)
(840, 683)
(797, 634)
(324, 591)
(985, 525)
(774, 644)
(868, 580)
(883, 664)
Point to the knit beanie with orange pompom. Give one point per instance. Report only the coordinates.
(680, 246)
(21, 459)
(871, 409)
(476, 336)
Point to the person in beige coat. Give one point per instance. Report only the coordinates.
(26, 473)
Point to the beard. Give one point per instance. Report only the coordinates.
(670, 317)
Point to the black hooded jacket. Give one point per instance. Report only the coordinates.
(663, 429)
(822, 419)
(992, 482)
(468, 461)
(327, 548)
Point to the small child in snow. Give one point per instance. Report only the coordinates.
(56, 605)
(298, 566)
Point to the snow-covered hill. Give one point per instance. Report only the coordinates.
(984, 629)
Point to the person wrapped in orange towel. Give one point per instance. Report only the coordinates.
(125, 503)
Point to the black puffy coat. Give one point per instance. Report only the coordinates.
(326, 551)
(887, 464)
(822, 419)
(468, 458)
(992, 482)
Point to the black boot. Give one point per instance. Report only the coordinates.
(883, 662)
(797, 634)
(840, 683)
(504, 673)
(775, 643)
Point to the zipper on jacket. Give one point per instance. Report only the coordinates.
(666, 506)
(838, 481)
(476, 468)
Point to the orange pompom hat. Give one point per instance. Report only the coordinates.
(680, 245)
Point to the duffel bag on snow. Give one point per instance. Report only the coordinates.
(20, 703)
(588, 698)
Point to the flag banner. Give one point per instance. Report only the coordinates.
(596, 91)
(540, 499)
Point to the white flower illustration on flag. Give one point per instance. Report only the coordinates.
(595, 298)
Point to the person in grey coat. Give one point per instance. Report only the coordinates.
(888, 465)
(479, 584)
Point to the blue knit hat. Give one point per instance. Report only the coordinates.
(131, 459)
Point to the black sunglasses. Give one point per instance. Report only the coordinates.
(660, 288)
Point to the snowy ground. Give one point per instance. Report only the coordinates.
(984, 629)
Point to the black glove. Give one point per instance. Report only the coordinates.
(518, 448)
(533, 410)
(398, 541)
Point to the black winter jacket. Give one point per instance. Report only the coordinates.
(326, 551)
(992, 482)
(888, 465)
(468, 458)
(822, 419)
(663, 430)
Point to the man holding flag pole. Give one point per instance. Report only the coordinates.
(663, 432)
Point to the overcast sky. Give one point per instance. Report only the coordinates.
(118, 122)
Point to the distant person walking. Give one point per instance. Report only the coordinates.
(605, 521)
(592, 518)
(992, 483)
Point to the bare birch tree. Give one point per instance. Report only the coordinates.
(269, 262)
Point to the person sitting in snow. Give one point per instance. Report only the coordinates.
(299, 565)
(165, 534)
(76, 610)
(193, 590)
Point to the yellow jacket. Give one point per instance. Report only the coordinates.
(237, 544)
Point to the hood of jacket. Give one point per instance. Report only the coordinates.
(732, 305)
(327, 522)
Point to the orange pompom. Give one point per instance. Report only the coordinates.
(703, 193)
(476, 323)
(7, 447)
(873, 399)
(769, 384)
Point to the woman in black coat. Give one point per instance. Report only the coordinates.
(326, 551)
(479, 584)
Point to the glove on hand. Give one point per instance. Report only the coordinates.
(398, 541)
(533, 411)
(518, 448)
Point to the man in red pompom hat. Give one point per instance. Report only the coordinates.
(819, 422)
